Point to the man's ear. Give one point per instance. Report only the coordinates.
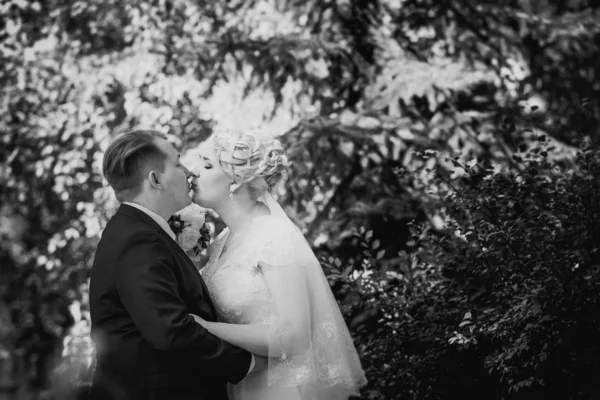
(153, 177)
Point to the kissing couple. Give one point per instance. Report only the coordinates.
(259, 322)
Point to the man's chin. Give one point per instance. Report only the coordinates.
(186, 203)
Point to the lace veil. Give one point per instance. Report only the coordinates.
(309, 343)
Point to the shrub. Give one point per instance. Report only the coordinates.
(500, 304)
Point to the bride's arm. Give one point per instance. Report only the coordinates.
(253, 338)
(289, 334)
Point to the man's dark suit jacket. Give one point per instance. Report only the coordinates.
(142, 289)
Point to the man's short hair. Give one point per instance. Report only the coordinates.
(129, 158)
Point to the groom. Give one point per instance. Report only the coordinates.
(143, 288)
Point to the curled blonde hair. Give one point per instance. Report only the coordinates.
(247, 159)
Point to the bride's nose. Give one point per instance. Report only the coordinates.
(188, 174)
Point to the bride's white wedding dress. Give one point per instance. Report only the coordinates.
(244, 293)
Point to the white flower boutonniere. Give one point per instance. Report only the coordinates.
(192, 231)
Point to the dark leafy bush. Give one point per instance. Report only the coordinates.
(502, 303)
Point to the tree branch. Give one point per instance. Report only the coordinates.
(344, 184)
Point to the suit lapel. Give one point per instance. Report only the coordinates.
(175, 246)
(129, 211)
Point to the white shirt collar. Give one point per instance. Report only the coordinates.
(157, 218)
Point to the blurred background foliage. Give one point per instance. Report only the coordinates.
(445, 171)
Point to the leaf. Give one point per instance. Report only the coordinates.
(380, 254)
(375, 245)
(369, 235)
(456, 164)
(368, 123)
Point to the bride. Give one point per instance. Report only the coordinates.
(266, 283)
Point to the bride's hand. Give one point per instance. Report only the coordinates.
(199, 320)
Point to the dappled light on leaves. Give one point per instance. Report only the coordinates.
(439, 168)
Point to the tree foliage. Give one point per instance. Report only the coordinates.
(408, 124)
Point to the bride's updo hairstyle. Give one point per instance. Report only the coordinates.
(247, 159)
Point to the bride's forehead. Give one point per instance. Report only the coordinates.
(206, 149)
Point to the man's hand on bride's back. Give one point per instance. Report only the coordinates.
(260, 363)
